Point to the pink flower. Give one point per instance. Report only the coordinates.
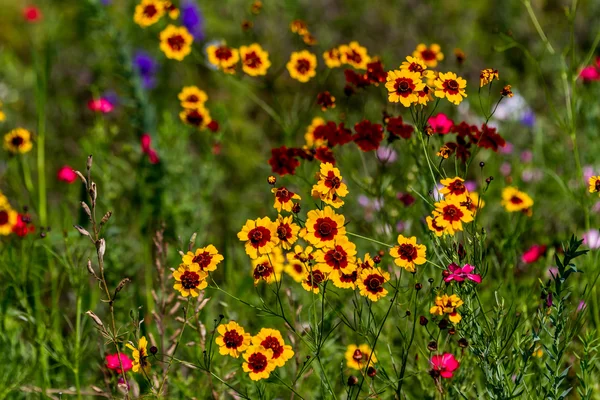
(101, 105)
(66, 174)
(32, 14)
(458, 274)
(592, 238)
(440, 123)
(533, 253)
(112, 362)
(445, 364)
(145, 142)
(589, 73)
(508, 149)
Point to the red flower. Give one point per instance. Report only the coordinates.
(341, 135)
(32, 14)
(283, 162)
(444, 365)
(465, 130)
(101, 105)
(440, 123)
(21, 227)
(358, 80)
(533, 253)
(325, 100)
(489, 139)
(406, 198)
(397, 127)
(213, 126)
(375, 73)
(66, 174)
(325, 155)
(590, 73)
(112, 362)
(325, 131)
(145, 142)
(368, 135)
(461, 148)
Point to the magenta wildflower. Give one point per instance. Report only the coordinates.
(444, 365)
(458, 274)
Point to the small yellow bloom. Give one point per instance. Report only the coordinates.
(323, 226)
(357, 357)
(298, 261)
(594, 184)
(447, 305)
(255, 60)
(259, 362)
(189, 280)
(18, 141)
(171, 9)
(444, 152)
(370, 283)
(260, 236)
(430, 55)
(333, 58)
(514, 200)
(268, 267)
(407, 254)
(198, 117)
(222, 56)
(453, 187)
(232, 340)
(506, 91)
(309, 136)
(140, 355)
(487, 76)
(207, 258)
(272, 339)
(302, 65)
(354, 55)
(287, 231)
(338, 256)
(192, 97)
(450, 214)
(403, 87)
(176, 42)
(148, 12)
(283, 199)
(8, 216)
(299, 26)
(451, 87)
(330, 187)
(313, 279)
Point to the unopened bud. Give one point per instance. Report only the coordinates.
(352, 380)
(153, 350)
(432, 346)
(423, 321)
(296, 208)
(371, 371)
(462, 342)
(96, 319)
(376, 259)
(418, 286)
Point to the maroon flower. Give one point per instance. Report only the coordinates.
(368, 136)
(375, 73)
(283, 162)
(398, 128)
(358, 80)
(341, 135)
(325, 155)
(489, 139)
(325, 100)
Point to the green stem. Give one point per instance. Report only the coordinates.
(369, 239)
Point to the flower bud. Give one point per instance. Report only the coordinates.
(462, 342)
(432, 346)
(371, 371)
(418, 286)
(352, 380)
(443, 324)
(423, 321)
(376, 259)
(153, 350)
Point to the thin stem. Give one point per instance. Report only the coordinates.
(369, 239)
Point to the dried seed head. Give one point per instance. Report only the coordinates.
(106, 218)
(96, 319)
(82, 231)
(86, 208)
(80, 175)
(462, 342)
(101, 248)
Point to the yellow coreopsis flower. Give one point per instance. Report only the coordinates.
(8, 217)
(594, 184)
(148, 12)
(260, 236)
(223, 56)
(287, 231)
(140, 355)
(232, 340)
(403, 87)
(330, 187)
(259, 362)
(451, 214)
(283, 199)
(272, 339)
(333, 58)
(190, 279)
(354, 55)
(451, 87)
(192, 97)
(323, 226)
(487, 76)
(198, 117)
(302, 65)
(357, 357)
(453, 187)
(309, 136)
(430, 55)
(447, 305)
(407, 254)
(207, 258)
(18, 141)
(514, 200)
(176, 42)
(268, 267)
(338, 256)
(255, 60)
(370, 283)
(313, 279)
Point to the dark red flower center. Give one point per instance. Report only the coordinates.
(452, 213)
(223, 53)
(303, 66)
(337, 258)
(516, 200)
(176, 42)
(298, 268)
(252, 60)
(233, 339)
(457, 187)
(259, 236)
(325, 228)
(192, 98)
(194, 117)
(315, 278)
(428, 55)
(284, 232)
(257, 362)
(358, 355)
(348, 278)
(354, 57)
(17, 141)
(451, 86)
(373, 283)
(283, 195)
(597, 186)
(332, 181)
(415, 67)
(202, 259)
(407, 252)
(263, 271)
(404, 86)
(150, 10)
(190, 280)
(3, 217)
(272, 343)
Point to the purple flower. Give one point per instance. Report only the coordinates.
(370, 205)
(592, 238)
(458, 274)
(581, 306)
(106, 2)
(146, 67)
(471, 186)
(507, 149)
(528, 119)
(192, 18)
(505, 169)
(526, 156)
(386, 154)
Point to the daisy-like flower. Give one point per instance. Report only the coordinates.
(189, 280)
(198, 117)
(302, 65)
(460, 274)
(357, 357)
(487, 76)
(325, 100)
(171, 9)
(451, 87)
(113, 363)
(365, 263)
(223, 56)
(232, 340)
(444, 152)
(403, 87)
(594, 184)
(506, 91)
(309, 136)
(330, 187)
(268, 267)
(354, 55)
(140, 355)
(287, 231)
(333, 58)
(255, 60)
(299, 26)
(407, 254)
(283, 199)
(452, 214)
(344, 280)
(148, 12)
(430, 55)
(453, 187)
(434, 227)
(18, 141)
(415, 64)
(207, 258)
(260, 236)
(259, 362)
(176, 42)
(294, 267)
(8, 217)
(514, 200)
(447, 305)
(192, 97)
(473, 202)
(323, 226)
(444, 365)
(272, 339)
(338, 256)
(313, 279)
(370, 283)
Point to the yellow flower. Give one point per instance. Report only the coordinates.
(430, 56)
(370, 283)
(8, 216)
(260, 236)
(207, 258)
(323, 226)
(176, 42)
(453, 187)
(309, 135)
(287, 231)
(313, 278)
(283, 199)
(171, 9)
(451, 87)
(302, 65)
(232, 339)
(299, 26)
(222, 56)
(272, 339)
(2, 116)
(338, 256)
(487, 76)
(472, 202)
(450, 215)
(268, 267)
(506, 91)
(515, 200)
(18, 141)
(295, 267)
(333, 58)
(198, 117)
(594, 184)
(447, 305)
(192, 97)
(259, 362)
(358, 356)
(444, 152)
(189, 280)
(403, 87)
(354, 55)
(140, 355)
(255, 60)
(432, 223)
(365, 263)
(415, 64)
(408, 253)
(330, 187)
(148, 12)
